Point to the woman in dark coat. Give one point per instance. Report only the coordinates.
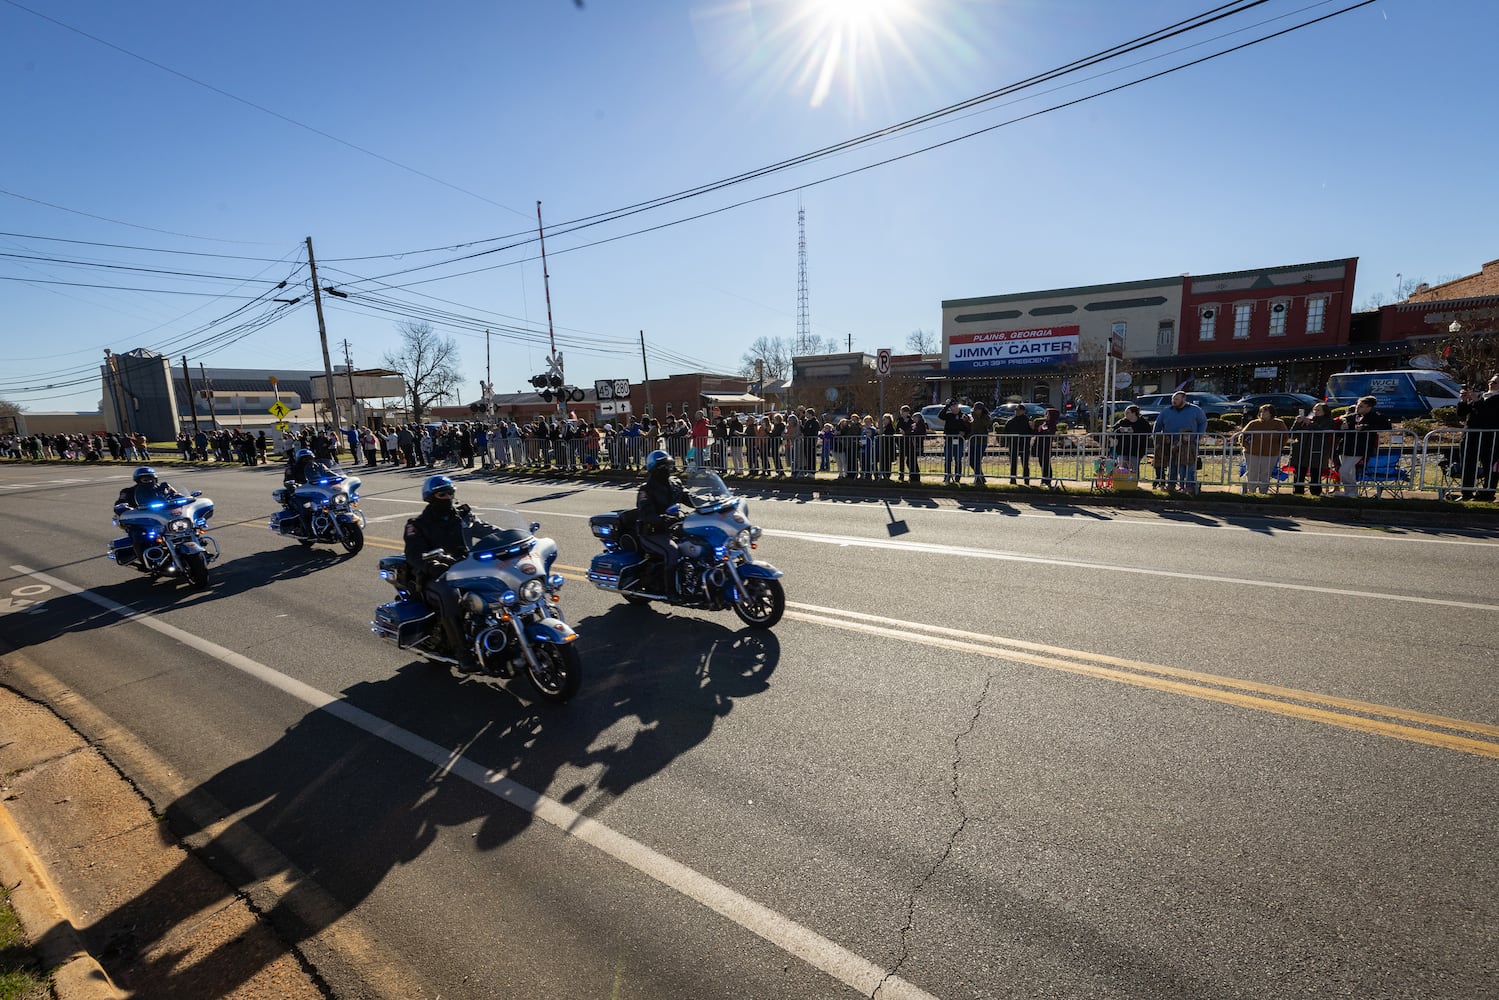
(1131, 438)
(1311, 446)
(1045, 431)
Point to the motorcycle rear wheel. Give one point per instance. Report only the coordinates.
(762, 603)
(560, 671)
(196, 564)
(353, 539)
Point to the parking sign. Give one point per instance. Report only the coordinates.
(882, 361)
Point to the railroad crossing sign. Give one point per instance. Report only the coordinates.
(278, 409)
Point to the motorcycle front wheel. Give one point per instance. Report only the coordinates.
(557, 673)
(353, 539)
(196, 564)
(762, 603)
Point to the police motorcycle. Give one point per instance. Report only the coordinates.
(509, 610)
(175, 538)
(716, 567)
(331, 508)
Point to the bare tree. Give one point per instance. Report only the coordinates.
(768, 357)
(923, 342)
(1471, 351)
(812, 343)
(8, 413)
(427, 362)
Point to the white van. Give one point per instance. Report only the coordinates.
(1404, 392)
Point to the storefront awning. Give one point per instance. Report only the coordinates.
(732, 398)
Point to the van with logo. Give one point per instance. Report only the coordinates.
(1404, 392)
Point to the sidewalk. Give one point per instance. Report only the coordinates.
(80, 848)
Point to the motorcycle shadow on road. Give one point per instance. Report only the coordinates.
(68, 614)
(335, 799)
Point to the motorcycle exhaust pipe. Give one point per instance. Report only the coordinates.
(492, 640)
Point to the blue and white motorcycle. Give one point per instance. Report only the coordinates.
(175, 538)
(716, 567)
(508, 602)
(324, 510)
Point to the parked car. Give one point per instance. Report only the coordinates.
(933, 415)
(1007, 410)
(1286, 403)
(1211, 403)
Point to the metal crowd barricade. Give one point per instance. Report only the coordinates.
(1462, 461)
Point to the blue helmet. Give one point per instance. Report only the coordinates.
(143, 473)
(301, 453)
(435, 483)
(655, 458)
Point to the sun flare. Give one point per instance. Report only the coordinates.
(845, 39)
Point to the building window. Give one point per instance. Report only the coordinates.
(1316, 313)
(1278, 312)
(1242, 314)
(1165, 338)
(1209, 327)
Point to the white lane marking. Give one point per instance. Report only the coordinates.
(817, 951)
(933, 548)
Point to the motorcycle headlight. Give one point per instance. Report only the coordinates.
(339, 500)
(180, 524)
(531, 591)
(744, 538)
(555, 581)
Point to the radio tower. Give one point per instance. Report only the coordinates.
(803, 318)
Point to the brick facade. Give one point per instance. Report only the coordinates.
(1485, 282)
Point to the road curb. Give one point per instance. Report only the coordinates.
(75, 974)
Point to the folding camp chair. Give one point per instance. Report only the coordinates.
(1383, 472)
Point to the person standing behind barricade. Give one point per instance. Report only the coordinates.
(1179, 429)
(1044, 433)
(1359, 441)
(979, 425)
(1311, 446)
(885, 445)
(806, 464)
(1263, 439)
(912, 429)
(954, 436)
(1131, 438)
(1480, 448)
(775, 440)
(1017, 432)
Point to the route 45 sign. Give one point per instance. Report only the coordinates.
(618, 388)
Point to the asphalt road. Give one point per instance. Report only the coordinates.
(1004, 752)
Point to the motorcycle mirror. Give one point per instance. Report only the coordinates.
(196, 493)
(535, 526)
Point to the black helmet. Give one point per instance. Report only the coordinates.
(143, 474)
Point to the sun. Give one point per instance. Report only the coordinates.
(844, 40)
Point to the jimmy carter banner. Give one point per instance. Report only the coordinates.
(1011, 348)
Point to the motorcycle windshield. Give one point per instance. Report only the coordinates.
(499, 534)
(705, 487)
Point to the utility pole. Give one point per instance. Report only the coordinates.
(850, 343)
(546, 283)
(488, 385)
(647, 367)
(322, 332)
(353, 400)
(192, 402)
(208, 388)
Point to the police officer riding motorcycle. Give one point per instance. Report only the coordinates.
(435, 541)
(660, 492)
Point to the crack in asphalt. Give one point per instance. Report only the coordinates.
(978, 711)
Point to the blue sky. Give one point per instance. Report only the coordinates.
(384, 130)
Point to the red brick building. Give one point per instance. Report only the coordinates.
(1272, 310)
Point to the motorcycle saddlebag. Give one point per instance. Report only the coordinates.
(606, 567)
(402, 621)
(608, 525)
(284, 522)
(120, 550)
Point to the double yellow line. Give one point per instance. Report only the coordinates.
(1476, 738)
